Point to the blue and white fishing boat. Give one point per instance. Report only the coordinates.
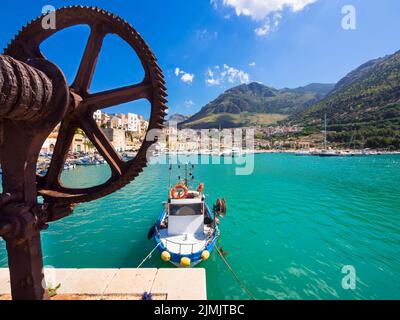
(187, 230)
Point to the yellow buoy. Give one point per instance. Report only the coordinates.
(185, 262)
(205, 255)
(165, 256)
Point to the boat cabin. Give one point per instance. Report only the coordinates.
(185, 216)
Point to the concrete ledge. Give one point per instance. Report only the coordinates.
(4, 282)
(188, 284)
(117, 284)
(131, 281)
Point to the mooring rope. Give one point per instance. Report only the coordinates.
(148, 256)
(235, 275)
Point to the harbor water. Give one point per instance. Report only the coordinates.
(292, 225)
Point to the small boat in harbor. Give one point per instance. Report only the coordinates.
(226, 153)
(236, 152)
(327, 152)
(303, 153)
(69, 166)
(90, 161)
(187, 230)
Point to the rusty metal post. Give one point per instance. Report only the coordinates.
(25, 255)
(26, 119)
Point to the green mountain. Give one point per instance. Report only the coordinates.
(177, 118)
(255, 103)
(363, 108)
(321, 89)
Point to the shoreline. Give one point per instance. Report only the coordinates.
(342, 152)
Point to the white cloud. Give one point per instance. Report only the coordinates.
(276, 19)
(187, 77)
(268, 11)
(271, 24)
(184, 76)
(229, 74)
(212, 82)
(206, 34)
(189, 103)
(259, 9)
(177, 71)
(252, 64)
(234, 75)
(201, 33)
(263, 30)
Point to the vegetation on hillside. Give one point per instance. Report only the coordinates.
(364, 108)
(229, 120)
(255, 98)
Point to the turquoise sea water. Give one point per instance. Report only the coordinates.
(291, 226)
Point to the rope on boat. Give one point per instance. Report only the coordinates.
(235, 275)
(148, 256)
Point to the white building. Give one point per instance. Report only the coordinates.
(133, 122)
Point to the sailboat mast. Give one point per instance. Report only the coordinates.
(169, 177)
(186, 174)
(325, 138)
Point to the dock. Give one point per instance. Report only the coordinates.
(120, 284)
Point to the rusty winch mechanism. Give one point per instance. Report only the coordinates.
(34, 99)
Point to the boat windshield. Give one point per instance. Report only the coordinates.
(191, 209)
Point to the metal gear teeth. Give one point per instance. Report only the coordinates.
(160, 92)
(162, 86)
(160, 79)
(162, 100)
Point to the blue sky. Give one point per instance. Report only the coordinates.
(205, 47)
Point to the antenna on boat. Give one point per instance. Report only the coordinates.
(169, 177)
(186, 174)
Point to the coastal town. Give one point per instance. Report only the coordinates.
(126, 132)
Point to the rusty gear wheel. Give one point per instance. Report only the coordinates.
(26, 46)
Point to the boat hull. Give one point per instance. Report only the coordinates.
(195, 257)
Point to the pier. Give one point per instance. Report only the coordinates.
(120, 284)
